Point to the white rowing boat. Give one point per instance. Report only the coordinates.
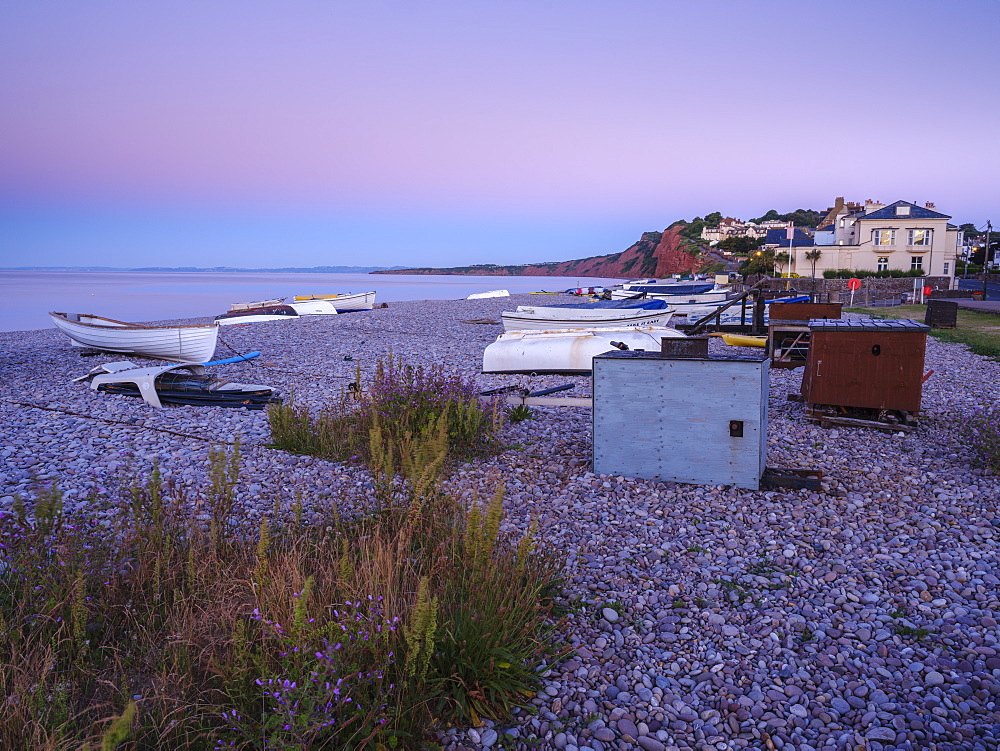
(259, 304)
(345, 301)
(185, 343)
(546, 318)
(567, 350)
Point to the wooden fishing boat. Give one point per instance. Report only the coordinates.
(184, 343)
(344, 301)
(569, 351)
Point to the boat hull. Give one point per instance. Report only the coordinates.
(259, 304)
(258, 315)
(192, 343)
(569, 351)
(342, 302)
(314, 308)
(740, 340)
(527, 318)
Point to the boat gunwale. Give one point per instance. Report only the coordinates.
(125, 326)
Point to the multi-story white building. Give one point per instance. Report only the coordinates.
(730, 227)
(879, 237)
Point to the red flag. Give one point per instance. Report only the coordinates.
(790, 232)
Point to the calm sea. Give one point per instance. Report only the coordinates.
(26, 297)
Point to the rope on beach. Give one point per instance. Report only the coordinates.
(235, 352)
(116, 422)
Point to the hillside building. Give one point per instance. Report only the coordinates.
(878, 237)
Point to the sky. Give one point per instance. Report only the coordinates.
(439, 133)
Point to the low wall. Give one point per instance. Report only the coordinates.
(874, 291)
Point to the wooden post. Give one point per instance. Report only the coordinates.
(758, 312)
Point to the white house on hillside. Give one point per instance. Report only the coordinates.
(878, 237)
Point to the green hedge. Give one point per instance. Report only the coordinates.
(888, 274)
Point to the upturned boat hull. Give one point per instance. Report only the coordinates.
(189, 343)
(569, 351)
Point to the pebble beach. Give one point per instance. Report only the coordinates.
(860, 616)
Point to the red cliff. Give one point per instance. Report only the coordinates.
(655, 254)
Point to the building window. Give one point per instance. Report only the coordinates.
(917, 262)
(884, 236)
(902, 211)
(920, 237)
(883, 263)
(947, 268)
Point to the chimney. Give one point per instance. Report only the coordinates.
(929, 205)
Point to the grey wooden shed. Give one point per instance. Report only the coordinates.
(691, 419)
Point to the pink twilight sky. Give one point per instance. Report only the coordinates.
(328, 132)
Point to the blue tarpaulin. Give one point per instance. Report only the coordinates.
(616, 305)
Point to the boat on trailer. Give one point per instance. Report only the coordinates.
(177, 343)
(600, 314)
(343, 301)
(568, 351)
(654, 287)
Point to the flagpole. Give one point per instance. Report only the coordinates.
(791, 237)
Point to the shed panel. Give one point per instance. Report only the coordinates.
(698, 420)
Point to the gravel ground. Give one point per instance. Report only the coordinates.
(861, 616)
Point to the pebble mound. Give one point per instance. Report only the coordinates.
(861, 616)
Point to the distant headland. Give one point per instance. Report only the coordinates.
(674, 251)
(218, 269)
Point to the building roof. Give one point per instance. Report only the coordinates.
(916, 212)
(780, 237)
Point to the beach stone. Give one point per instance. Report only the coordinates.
(627, 727)
(880, 734)
(840, 705)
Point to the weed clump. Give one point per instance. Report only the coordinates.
(982, 431)
(405, 405)
(175, 623)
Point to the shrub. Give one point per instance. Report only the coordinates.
(887, 274)
(982, 431)
(519, 413)
(404, 403)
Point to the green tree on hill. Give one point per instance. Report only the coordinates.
(801, 217)
(760, 262)
(740, 246)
